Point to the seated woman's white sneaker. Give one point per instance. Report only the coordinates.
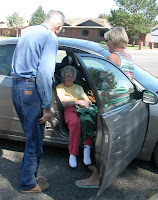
(72, 161)
(86, 155)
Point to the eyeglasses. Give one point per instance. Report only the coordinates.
(69, 75)
(108, 40)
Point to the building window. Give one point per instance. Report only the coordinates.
(101, 33)
(85, 32)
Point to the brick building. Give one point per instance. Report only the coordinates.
(92, 29)
(146, 39)
(5, 31)
(88, 29)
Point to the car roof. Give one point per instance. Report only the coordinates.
(84, 45)
(9, 41)
(96, 48)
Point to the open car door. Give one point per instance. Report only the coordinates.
(122, 117)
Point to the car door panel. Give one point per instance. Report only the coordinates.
(123, 119)
(124, 143)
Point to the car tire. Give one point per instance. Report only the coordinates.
(156, 155)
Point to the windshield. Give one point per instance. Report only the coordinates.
(147, 80)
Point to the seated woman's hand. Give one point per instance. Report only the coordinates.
(83, 103)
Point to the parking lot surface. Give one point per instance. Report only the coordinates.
(137, 182)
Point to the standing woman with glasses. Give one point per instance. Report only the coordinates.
(117, 41)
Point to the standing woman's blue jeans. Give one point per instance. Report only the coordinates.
(27, 104)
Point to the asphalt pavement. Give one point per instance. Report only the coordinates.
(137, 182)
(146, 59)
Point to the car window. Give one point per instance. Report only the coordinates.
(6, 53)
(114, 88)
(60, 55)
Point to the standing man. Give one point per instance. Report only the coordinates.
(33, 67)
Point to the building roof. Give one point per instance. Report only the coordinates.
(155, 31)
(3, 25)
(87, 22)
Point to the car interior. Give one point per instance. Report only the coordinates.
(57, 108)
(6, 53)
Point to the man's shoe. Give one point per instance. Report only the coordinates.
(41, 179)
(40, 187)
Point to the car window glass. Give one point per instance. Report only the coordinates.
(6, 53)
(114, 88)
(60, 55)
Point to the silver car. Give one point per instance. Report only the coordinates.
(127, 112)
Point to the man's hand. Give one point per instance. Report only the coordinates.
(46, 116)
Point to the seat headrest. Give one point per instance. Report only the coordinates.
(67, 60)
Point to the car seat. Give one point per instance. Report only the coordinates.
(67, 60)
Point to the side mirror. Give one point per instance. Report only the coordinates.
(149, 97)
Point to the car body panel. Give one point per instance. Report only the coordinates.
(145, 80)
(9, 122)
(151, 139)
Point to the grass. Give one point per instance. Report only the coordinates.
(135, 47)
(5, 37)
(130, 46)
(149, 195)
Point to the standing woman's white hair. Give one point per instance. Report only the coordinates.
(118, 36)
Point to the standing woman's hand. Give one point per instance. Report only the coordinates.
(46, 116)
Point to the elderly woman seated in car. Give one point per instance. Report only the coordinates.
(72, 96)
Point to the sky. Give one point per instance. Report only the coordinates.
(70, 8)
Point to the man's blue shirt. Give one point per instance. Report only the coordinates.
(35, 57)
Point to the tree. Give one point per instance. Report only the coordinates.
(15, 22)
(136, 16)
(148, 7)
(37, 17)
(102, 16)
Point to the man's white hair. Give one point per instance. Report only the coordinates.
(54, 16)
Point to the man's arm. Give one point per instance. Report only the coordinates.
(45, 71)
(44, 76)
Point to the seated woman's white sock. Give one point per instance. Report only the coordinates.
(86, 155)
(72, 161)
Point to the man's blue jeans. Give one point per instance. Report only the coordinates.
(27, 104)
